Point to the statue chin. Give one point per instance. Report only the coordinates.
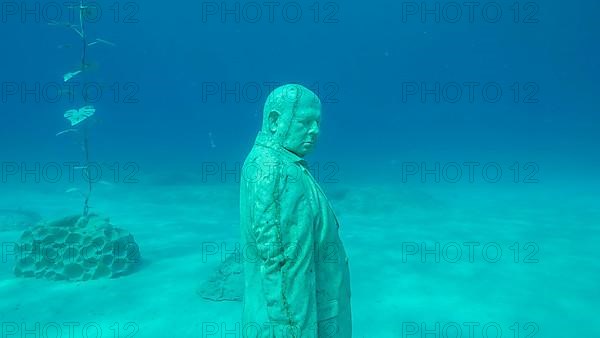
(301, 150)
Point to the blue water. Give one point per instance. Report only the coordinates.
(414, 97)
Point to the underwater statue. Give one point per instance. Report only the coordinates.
(296, 274)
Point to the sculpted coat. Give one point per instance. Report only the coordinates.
(297, 281)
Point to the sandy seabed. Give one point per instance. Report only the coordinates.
(456, 260)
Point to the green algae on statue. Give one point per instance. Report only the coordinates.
(297, 279)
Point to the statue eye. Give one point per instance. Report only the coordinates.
(302, 121)
(308, 122)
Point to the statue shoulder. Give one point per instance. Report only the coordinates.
(264, 163)
(262, 157)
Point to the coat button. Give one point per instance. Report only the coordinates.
(346, 260)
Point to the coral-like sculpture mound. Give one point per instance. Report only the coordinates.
(77, 249)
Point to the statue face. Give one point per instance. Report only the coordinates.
(304, 130)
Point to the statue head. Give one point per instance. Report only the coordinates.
(291, 117)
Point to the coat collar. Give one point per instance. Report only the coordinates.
(265, 140)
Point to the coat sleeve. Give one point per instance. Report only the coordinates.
(284, 230)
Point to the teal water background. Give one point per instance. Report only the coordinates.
(180, 105)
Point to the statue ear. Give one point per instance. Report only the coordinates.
(273, 119)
